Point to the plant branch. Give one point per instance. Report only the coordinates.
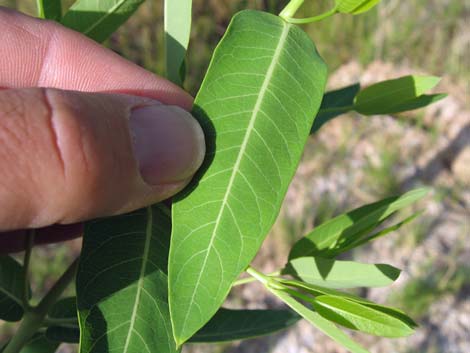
(52, 321)
(57, 289)
(291, 8)
(252, 279)
(29, 243)
(34, 317)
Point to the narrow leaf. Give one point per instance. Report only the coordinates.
(352, 225)
(320, 323)
(122, 284)
(361, 241)
(335, 103)
(384, 97)
(11, 289)
(256, 104)
(50, 9)
(341, 274)
(231, 325)
(355, 7)
(416, 103)
(357, 316)
(99, 19)
(177, 31)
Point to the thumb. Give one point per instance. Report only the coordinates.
(68, 156)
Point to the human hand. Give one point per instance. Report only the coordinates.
(83, 132)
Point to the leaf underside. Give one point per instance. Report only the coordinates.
(256, 105)
(99, 19)
(122, 284)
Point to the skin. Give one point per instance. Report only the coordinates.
(74, 133)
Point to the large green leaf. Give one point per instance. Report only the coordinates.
(226, 325)
(319, 322)
(231, 325)
(355, 7)
(358, 316)
(11, 289)
(177, 31)
(256, 104)
(351, 226)
(335, 103)
(99, 19)
(395, 95)
(341, 274)
(122, 284)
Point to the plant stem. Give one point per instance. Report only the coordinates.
(258, 275)
(291, 8)
(337, 109)
(26, 262)
(52, 321)
(34, 316)
(40, 7)
(311, 19)
(252, 279)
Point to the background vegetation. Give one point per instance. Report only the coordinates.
(353, 160)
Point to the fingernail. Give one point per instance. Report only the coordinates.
(168, 143)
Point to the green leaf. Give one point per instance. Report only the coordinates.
(11, 289)
(316, 291)
(341, 274)
(40, 344)
(256, 104)
(351, 226)
(365, 318)
(355, 7)
(418, 102)
(231, 325)
(64, 332)
(226, 325)
(99, 19)
(122, 284)
(177, 31)
(361, 241)
(320, 323)
(391, 96)
(335, 103)
(50, 9)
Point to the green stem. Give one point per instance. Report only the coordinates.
(291, 8)
(312, 19)
(258, 275)
(252, 279)
(34, 317)
(52, 321)
(345, 109)
(40, 6)
(29, 243)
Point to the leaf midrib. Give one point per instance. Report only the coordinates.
(148, 236)
(250, 128)
(11, 296)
